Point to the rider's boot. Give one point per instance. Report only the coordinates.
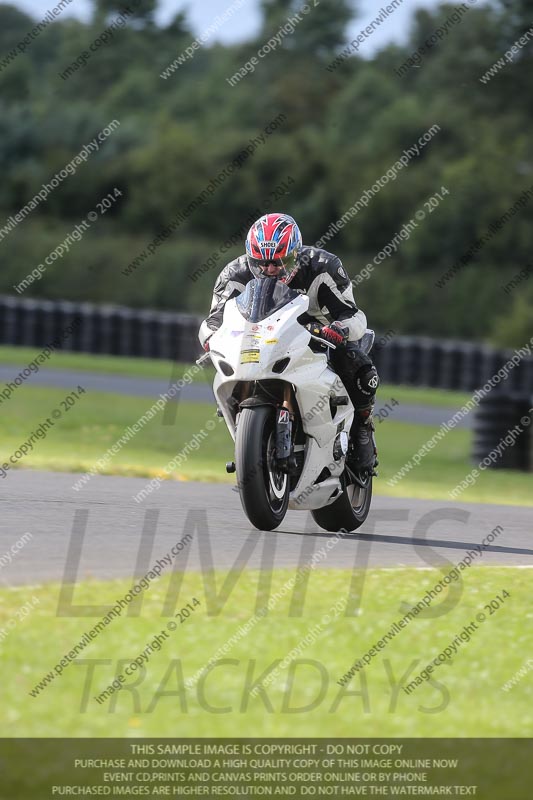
(363, 451)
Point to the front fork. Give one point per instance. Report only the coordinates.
(285, 459)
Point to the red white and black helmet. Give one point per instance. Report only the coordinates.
(273, 245)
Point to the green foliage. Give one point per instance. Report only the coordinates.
(143, 10)
(344, 127)
(319, 29)
(513, 328)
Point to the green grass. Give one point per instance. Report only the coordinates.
(160, 368)
(438, 398)
(465, 697)
(444, 468)
(116, 365)
(97, 421)
(84, 433)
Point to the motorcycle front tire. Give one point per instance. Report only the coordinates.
(263, 489)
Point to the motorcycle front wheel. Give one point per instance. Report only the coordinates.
(263, 489)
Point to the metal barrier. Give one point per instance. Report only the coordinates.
(115, 330)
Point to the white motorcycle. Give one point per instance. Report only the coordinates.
(287, 411)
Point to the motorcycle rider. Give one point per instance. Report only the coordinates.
(274, 249)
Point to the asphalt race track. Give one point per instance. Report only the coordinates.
(107, 534)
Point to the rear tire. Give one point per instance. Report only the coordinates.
(348, 512)
(264, 491)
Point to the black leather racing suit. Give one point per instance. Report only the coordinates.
(322, 277)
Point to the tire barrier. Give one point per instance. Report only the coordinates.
(109, 330)
(116, 330)
(448, 364)
(502, 432)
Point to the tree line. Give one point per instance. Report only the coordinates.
(442, 247)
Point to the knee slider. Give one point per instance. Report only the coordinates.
(367, 380)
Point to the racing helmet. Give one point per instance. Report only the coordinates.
(272, 247)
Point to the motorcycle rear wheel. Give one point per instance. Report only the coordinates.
(263, 489)
(347, 513)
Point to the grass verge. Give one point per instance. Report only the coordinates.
(463, 698)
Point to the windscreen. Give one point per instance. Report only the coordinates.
(263, 297)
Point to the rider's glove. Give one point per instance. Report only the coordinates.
(335, 333)
(207, 345)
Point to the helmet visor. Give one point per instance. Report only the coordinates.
(281, 268)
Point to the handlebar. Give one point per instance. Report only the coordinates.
(203, 358)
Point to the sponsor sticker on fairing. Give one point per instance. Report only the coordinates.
(250, 356)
